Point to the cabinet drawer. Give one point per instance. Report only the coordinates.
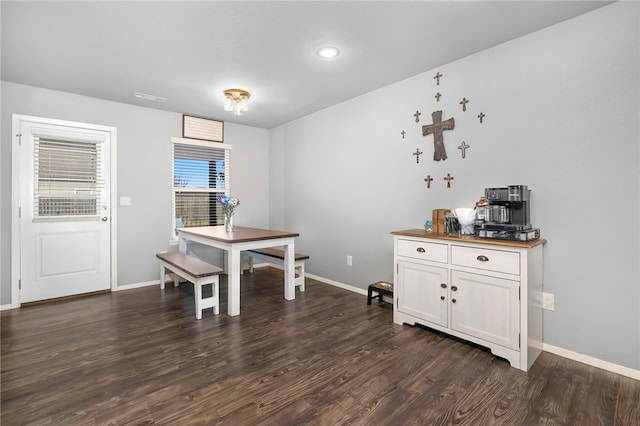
(423, 250)
(486, 259)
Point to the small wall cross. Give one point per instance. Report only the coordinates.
(463, 148)
(438, 95)
(418, 153)
(437, 78)
(428, 179)
(448, 178)
(481, 116)
(417, 116)
(464, 103)
(403, 133)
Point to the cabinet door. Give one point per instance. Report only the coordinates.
(422, 292)
(486, 307)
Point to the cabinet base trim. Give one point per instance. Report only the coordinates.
(512, 356)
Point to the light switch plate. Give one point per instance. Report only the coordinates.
(548, 301)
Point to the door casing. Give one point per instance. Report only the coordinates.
(17, 120)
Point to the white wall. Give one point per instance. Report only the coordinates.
(562, 116)
(144, 172)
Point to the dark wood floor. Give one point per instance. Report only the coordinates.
(140, 357)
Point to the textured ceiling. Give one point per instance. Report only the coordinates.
(189, 52)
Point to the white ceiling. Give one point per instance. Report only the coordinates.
(189, 52)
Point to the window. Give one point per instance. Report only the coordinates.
(68, 182)
(200, 175)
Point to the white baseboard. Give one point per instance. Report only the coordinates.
(594, 362)
(337, 284)
(137, 285)
(5, 307)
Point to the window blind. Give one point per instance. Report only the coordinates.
(68, 178)
(200, 175)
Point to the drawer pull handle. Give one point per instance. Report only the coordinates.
(443, 285)
(441, 297)
(453, 300)
(420, 250)
(454, 288)
(482, 258)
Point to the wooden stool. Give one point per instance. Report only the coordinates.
(380, 287)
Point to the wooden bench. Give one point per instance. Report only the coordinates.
(195, 271)
(276, 256)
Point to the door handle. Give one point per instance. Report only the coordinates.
(104, 218)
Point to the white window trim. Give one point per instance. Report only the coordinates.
(195, 142)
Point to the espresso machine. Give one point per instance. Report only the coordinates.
(507, 214)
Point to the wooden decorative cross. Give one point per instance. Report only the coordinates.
(438, 126)
(448, 178)
(428, 179)
(464, 103)
(418, 153)
(438, 95)
(437, 78)
(463, 148)
(403, 133)
(481, 116)
(417, 116)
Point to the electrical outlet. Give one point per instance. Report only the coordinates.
(548, 301)
(349, 260)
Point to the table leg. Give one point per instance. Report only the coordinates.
(289, 272)
(233, 282)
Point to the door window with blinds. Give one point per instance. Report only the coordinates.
(68, 181)
(200, 175)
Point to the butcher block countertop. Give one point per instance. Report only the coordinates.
(421, 233)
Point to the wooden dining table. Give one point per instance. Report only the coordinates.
(234, 242)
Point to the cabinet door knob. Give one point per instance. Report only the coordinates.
(443, 285)
(454, 288)
(453, 300)
(420, 250)
(482, 258)
(441, 297)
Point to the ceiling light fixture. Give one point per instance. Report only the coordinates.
(236, 100)
(148, 97)
(328, 52)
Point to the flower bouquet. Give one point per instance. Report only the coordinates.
(228, 205)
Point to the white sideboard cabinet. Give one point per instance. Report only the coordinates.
(484, 291)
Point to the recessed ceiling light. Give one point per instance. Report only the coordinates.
(328, 52)
(148, 97)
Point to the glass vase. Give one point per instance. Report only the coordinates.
(228, 222)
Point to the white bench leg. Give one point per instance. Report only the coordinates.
(300, 279)
(209, 302)
(215, 287)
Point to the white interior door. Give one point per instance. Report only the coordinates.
(64, 187)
